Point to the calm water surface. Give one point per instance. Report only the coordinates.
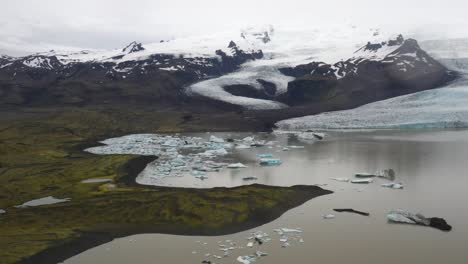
(432, 165)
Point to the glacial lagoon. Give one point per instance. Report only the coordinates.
(430, 165)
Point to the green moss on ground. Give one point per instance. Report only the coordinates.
(41, 155)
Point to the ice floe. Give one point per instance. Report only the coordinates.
(43, 201)
(186, 156)
(96, 180)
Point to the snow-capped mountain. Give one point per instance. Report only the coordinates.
(154, 71)
(376, 71)
(256, 68)
(446, 107)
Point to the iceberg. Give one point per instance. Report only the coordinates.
(328, 216)
(216, 139)
(43, 201)
(362, 181)
(236, 166)
(265, 155)
(247, 259)
(392, 185)
(270, 162)
(340, 179)
(405, 217)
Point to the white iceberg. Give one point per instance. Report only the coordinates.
(216, 139)
(236, 166)
(362, 181)
(340, 179)
(392, 185)
(43, 201)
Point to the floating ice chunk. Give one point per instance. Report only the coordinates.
(296, 147)
(198, 173)
(388, 173)
(215, 152)
(310, 135)
(265, 155)
(364, 175)
(402, 216)
(319, 135)
(340, 179)
(270, 162)
(2, 211)
(236, 166)
(43, 201)
(96, 180)
(250, 244)
(393, 185)
(328, 216)
(216, 139)
(286, 244)
(248, 139)
(247, 259)
(242, 146)
(261, 254)
(291, 230)
(362, 181)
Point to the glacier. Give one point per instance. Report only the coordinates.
(289, 47)
(440, 108)
(446, 107)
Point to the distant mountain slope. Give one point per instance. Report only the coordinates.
(255, 69)
(445, 107)
(376, 71)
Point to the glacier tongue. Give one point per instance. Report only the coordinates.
(439, 108)
(248, 75)
(445, 107)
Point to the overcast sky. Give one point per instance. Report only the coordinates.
(37, 25)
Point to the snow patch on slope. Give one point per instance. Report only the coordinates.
(289, 47)
(446, 107)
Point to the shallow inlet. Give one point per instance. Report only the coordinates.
(431, 165)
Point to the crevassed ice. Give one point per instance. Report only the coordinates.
(440, 108)
(288, 47)
(445, 107)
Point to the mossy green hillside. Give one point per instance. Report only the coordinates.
(41, 155)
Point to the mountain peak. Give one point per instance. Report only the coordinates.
(133, 47)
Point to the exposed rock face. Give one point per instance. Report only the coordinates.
(133, 47)
(245, 91)
(376, 72)
(43, 79)
(269, 87)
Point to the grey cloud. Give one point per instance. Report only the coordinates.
(36, 25)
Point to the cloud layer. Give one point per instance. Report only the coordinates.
(36, 25)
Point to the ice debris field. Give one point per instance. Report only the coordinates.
(187, 156)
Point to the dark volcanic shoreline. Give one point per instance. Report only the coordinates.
(41, 142)
(89, 239)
